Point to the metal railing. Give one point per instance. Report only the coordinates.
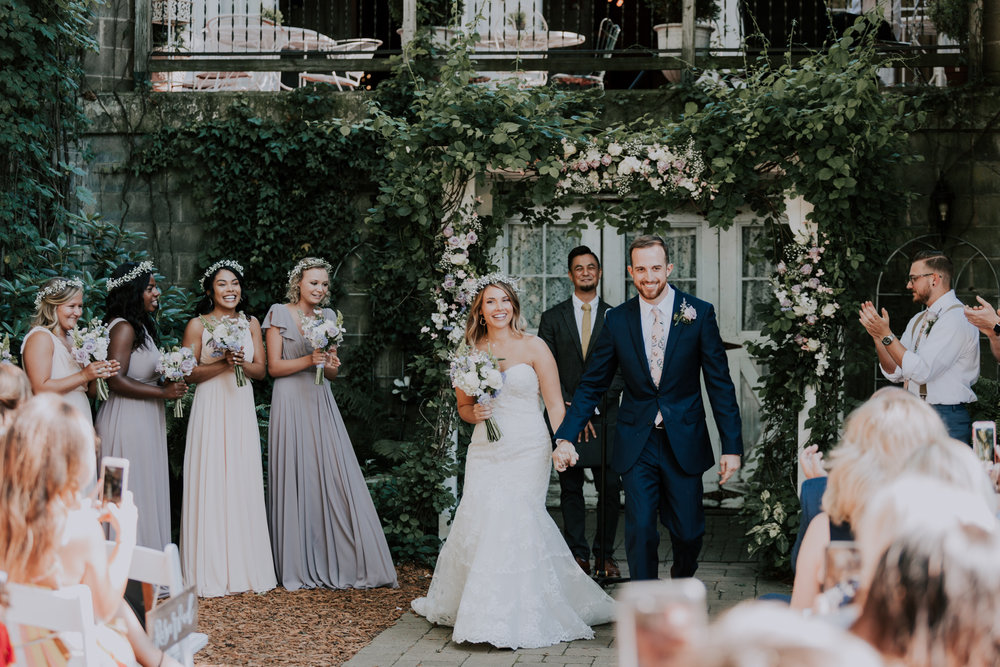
(282, 44)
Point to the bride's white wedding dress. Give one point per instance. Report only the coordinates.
(505, 575)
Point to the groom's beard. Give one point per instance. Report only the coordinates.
(587, 289)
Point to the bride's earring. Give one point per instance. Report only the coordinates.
(482, 321)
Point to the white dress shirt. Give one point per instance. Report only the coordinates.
(578, 314)
(946, 358)
(666, 308)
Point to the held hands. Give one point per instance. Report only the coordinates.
(811, 460)
(564, 456)
(875, 324)
(101, 369)
(983, 317)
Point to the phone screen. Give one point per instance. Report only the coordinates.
(984, 440)
(114, 483)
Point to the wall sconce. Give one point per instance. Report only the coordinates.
(941, 200)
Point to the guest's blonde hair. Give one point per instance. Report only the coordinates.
(54, 293)
(753, 634)
(45, 453)
(14, 390)
(935, 598)
(878, 437)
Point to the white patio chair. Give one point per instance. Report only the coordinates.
(362, 47)
(68, 611)
(162, 569)
(607, 37)
(245, 33)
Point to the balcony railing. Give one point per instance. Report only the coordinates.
(282, 44)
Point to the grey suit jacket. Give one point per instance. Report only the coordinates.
(558, 329)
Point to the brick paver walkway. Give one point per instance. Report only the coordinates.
(725, 569)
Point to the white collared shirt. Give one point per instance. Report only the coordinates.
(578, 314)
(946, 358)
(666, 308)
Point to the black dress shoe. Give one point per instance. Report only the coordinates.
(609, 567)
(584, 564)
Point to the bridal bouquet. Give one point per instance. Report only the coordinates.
(91, 344)
(322, 334)
(5, 356)
(228, 335)
(175, 365)
(477, 373)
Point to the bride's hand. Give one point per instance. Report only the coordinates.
(481, 413)
(564, 456)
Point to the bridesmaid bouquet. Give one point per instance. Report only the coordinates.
(175, 365)
(322, 334)
(477, 373)
(91, 344)
(5, 356)
(228, 335)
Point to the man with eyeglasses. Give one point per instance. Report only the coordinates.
(937, 357)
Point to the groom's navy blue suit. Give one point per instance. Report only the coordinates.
(661, 468)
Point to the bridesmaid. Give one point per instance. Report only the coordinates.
(45, 351)
(131, 422)
(224, 540)
(325, 531)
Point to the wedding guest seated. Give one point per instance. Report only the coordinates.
(878, 437)
(931, 597)
(50, 530)
(755, 634)
(14, 390)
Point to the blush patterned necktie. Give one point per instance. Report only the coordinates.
(585, 330)
(656, 340)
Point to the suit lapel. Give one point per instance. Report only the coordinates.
(634, 320)
(569, 322)
(671, 330)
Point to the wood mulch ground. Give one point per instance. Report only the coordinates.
(305, 627)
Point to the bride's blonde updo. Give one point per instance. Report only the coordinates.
(295, 277)
(475, 323)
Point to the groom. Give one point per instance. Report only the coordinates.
(663, 342)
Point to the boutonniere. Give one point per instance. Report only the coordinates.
(686, 314)
(932, 318)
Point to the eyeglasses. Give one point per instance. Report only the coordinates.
(913, 279)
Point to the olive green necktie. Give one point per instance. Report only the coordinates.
(585, 330)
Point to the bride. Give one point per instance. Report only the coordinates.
(505, 575)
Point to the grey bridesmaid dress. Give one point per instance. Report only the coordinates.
(325, 531)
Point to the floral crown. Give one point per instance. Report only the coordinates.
(56, 287)
(492, 279)
(222, 264)
(143, 268)
(312, 263)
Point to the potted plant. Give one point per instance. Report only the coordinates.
(667, 17)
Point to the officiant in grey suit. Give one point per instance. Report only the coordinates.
(569, 328)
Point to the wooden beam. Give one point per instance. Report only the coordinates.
(143, 40)
(553, 63)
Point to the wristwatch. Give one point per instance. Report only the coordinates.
(887, 340)
(996, 329)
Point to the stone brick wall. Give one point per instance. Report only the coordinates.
(114, 28)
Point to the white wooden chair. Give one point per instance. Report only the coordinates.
(162, 569)
(607, 37)
(362, 47)
(64, 611)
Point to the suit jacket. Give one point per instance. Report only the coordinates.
(558, 329)
(693, 350)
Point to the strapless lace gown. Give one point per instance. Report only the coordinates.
(505, 575)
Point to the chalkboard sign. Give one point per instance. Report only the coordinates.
(172, 620)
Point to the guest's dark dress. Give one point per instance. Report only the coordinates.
(324, 528)
(811, 499)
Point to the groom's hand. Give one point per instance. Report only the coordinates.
(728, 464)
(564, 455)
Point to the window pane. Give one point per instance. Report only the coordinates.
(526, 250)
(538, 256)
(756, 286)
(532, 301)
